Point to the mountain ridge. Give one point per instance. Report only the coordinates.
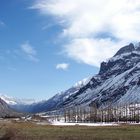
(117, 79)
(117, 82)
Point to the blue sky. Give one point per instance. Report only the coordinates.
(33, 73)
(46, 46)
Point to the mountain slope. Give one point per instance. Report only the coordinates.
(21, 105)
(54, 102)
(6, 111)
(118, 82)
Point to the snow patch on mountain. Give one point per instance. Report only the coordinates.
(14, 101)
(82, 82)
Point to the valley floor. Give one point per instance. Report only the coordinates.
(10, 130)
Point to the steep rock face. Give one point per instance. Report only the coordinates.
(117, 82)
(127, 49)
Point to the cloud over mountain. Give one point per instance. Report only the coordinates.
(94, 28)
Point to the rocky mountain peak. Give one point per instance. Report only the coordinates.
(126, 49)
(117, 81)
(124, 59)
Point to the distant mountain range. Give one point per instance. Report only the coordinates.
(117, 83)
(31, 106)
(14, 101)
(22, 105)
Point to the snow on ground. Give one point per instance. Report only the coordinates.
(102, 124)
(42, 123)
(83, 124)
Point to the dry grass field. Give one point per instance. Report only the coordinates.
(29, 131)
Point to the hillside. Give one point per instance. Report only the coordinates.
(6, 111)
(118, 82)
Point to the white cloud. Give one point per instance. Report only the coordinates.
(99, 26)
(62, 66)
(91, 51)
(29, 51)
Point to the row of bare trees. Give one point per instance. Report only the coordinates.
(126, 113)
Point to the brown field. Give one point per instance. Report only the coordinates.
(29, 131)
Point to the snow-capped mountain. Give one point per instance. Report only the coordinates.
(22, 105)
(118, 82)
(8, 100)
(13, 101)
(54, 102)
